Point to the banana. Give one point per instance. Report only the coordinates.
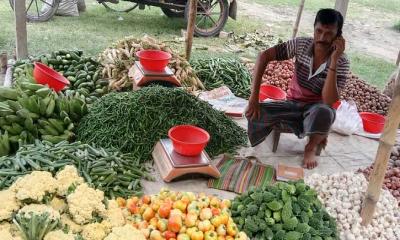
(57, 124)
(50, 108)
(34, 104)
(14, 105)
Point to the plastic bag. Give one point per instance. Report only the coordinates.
(347, 121)
(224, 100)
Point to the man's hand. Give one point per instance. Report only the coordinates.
(253, 109)
(338, 45)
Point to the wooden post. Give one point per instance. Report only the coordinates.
(386, 143)
(190, 28)
(296, 25)
(398, 59)
(341, 6)
(20, 29)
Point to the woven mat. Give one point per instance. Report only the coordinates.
(239, 174)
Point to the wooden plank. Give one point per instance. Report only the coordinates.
(296, 25)
(386, 143)
(341, 6)
(20, 29)
(190, 28)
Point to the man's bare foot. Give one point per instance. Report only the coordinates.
(309, 161)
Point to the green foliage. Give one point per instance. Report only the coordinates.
(252, 209)
(292, 212)
(303, 228)
(290, 224)
(292, 235)
(287, 211)
(275, 205)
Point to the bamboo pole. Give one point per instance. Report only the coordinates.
(341, 6)
(190, 28)
(386, 143)
(20, 29)
(296, 25)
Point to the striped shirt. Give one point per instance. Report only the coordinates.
(305, 85)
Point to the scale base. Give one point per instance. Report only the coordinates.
(142, 77)
(169, 172)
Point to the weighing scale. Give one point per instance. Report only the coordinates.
(172, 164)
(142, 77)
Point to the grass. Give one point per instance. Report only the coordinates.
(97, 28)
(376, 71)
(391, 6)
(397, 26)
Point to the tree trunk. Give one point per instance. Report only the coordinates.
(81, 6)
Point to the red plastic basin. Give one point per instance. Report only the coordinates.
(46, 75)
(372, 122)
(271, 92)
(153, 60)
(336, 104)
(188, 140)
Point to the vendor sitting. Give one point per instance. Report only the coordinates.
(321, 71)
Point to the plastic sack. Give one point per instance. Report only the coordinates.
(65, 8)
(347, 121)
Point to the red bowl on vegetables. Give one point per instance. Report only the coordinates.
(336, 104)
(153, 60)
(271, 92)
(372, 122)
(46, 75)
(188, 140)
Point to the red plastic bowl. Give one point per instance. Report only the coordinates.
(372, 122)
(271, 92)
(188, 140)
(336, 104)
(46, 75)
(153, 60)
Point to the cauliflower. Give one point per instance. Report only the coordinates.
(9, 204)
(34, 186)
(39, 209)
(6, 229)
(71, 225)
(5, 235)
(124, 233)
(114, 215)
(59, 235)
(58, 204)
(67, 177)
(84, 202)
(34, 221)
(95, 231)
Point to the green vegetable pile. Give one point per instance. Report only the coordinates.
(82, 72)
(107, 170)
(216, 72)
(33, 111)
(284, 211)
(134, 121)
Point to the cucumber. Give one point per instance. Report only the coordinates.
(54, 62)
(44, 60)
(8, 93)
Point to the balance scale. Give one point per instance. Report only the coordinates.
(142, 77)
(172, 165)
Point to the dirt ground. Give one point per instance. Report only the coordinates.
(369, 32)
